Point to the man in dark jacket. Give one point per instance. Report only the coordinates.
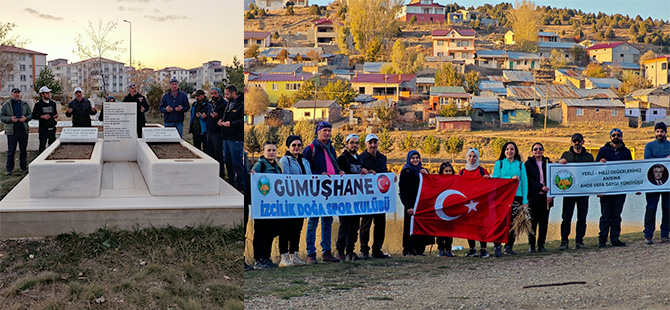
(576, 154)
(142, 107)
(80, 110)
(374, 162)
(198, 125)
(347, 234)
(45, 112)
(232, 124)
(15, 113)
(611, 206)
(321, 157)
(214, 138)
(173, 106)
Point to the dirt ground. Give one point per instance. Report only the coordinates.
(72, 151)
(171, 151)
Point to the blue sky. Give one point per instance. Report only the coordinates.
(645, 8)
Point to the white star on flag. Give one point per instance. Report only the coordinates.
(471, 206)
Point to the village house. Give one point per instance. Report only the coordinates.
(259, 38)
(489, 22)
(569, 77)
(325, 110)
(544, 49)
(384, 86)
(280, 4)
(484, 110)
(322, 32)
(373, 67)
(492, 88)
(455, 123)
(277, 84)
(549, 94)
(272, 53)
(656, 70)
(514, 114)
(425, 11)
(523, 78)
(596, 93)
(524, 95)
(585, 111)
(424, 83)
(652, 95)
(443, 95)
(455, 18)
(286, 69)
(640, 111)
(617, 52)
(458, 44)
(624, 67)
(542, 37)
(470, 15)
(590, 82)
(501, 59)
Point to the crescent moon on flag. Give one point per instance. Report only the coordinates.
(439, 202)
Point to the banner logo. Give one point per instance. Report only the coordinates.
(383, 183)
(264, 185)
(564, 180)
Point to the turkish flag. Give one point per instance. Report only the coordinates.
(464, 207)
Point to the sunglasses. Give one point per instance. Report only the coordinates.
(296, 144)
(354, 142)
(616, 135)
(538, 149)
(577, 141)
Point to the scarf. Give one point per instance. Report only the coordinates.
(408, 164)
(468, 165)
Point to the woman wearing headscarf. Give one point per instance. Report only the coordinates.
(289, 240)
(409, 188)
(536, 169)
(473, 169)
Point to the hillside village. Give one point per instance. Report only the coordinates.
(469, 72)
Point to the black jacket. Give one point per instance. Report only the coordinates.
(141, 102)
(219, 107)
(80, 113)
(534, 184)
(43, 108)
(234, 113)
(408, 185)
(349, 164)
(583, 157)
(376, 163)
(610, 153)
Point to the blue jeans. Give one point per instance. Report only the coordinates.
(326, 232)
(650, 214)
(233, 153)
(179, 126)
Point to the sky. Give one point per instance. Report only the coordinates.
(164, 32)
(657, 9)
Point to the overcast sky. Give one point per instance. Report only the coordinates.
(164, 32)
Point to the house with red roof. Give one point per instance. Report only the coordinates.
(322, 32)
(384, 86)
(425, 11)
(276, 85)
(616, 52)
(29, 64)
(260, 38)
(457, 44)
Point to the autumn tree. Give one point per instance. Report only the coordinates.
(447, 75)
(472, 81)
(646, 56)
(141, 76)
(282, 56)
(578, 54)
(46, 78)
(448, 110)
(453, 146)
(251, 143)
(340, 91)
(430, 146)
(252, 52)
(404, 60)
(313, 55)
(557, 60)
(234, 76)
(284, 102)
(408, 143)
(306, 91)
(304, 129)
(631, 83)
(206, 86)
(374, 50)
(256, 102)
(386, 114)
(372, 23)
(343, 38)
(595, 70)
(98, 44)
(338, 141)
(526, 20)
(386, 142)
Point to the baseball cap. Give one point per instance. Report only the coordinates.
(371, 137)
(351, 136)
(44, 89)
(16, 90)
(199, 92)
(173, 80)
(78, 89)
(577, 136)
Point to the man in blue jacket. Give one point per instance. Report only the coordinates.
(611, 206)
(659, 148)
(173, 106)
(198, 124)
(214, 131)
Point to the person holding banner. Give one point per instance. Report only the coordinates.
(321, 157)
(611, 206)
(509, 166)
(292, 163)
(347, 234)
(375, 162)
(659, 148)
(539, 203)
(473, 169)
(409, 187)
(576, 154)
(264, 229)
(444, 243)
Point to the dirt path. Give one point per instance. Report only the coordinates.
(634, 277)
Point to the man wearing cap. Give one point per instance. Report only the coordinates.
(232, 125)
(45, 111)
(374, 162)
(576, 154)
(15, 113)
(214, 132)
(611, 206)
(80, 110)
(347, 234)
(322, 160)
(198, 124)
(142, 107)
(173, 106)
(659, 148)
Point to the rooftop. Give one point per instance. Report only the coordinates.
(281, 77)
(518, 76)
(599, 103)
(604, 82)
(564, 45)
(256, 34)
(605, 45)
(462, 32)
(14, 49)
(596, 93)
(314, 103)
(286, 69)
(379, 78)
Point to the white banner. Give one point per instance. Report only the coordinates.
(276, 196)
(616, 177)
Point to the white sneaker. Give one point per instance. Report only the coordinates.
(286, 261)
(296, 260)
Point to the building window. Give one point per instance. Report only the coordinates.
(512, 113)
(440, 43)
(580, 111)
(614, 113)
(22, 78)
(361, 90)
(275, 86)
(440, 54)
(258, 42)
(22, 67)
(11, 78)
(664, 66)
(23, 88)
(654, 112)
(597, 110)
(308, 114)
(22, 57)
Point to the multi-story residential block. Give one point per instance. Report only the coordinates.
(322, 32)
(384, 86)
(86, 74)
(211, 72)
(656, 70)
(458, 44)
(616, 52)
(29, 64)
(425, 11)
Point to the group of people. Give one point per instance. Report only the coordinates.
(217, 124)
(319, 157)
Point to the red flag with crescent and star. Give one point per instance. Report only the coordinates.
(464, 207)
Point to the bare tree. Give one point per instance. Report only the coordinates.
(8, 61)
(98, 44)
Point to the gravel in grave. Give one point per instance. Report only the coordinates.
(633, 277)
(171, 151)
(72, 151)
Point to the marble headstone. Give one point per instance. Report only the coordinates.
(79, 135)
(120, 131)
(169, 134)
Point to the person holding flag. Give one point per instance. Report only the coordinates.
(473, 169)
(509, 166)
(444, 243)
(409, 187)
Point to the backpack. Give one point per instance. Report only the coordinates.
(481, 171)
